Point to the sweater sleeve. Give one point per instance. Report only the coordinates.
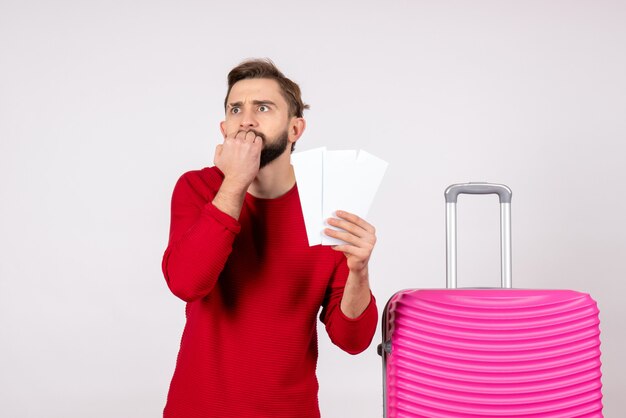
(353, 335)
(200, 242)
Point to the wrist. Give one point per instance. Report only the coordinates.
(361, 275)
(234, 186)
(356, 296)
(229, 198)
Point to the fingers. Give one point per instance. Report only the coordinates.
(366, 242)
(248, 136)
(354, 225)
(238, 157)
(358, 235)
(251, 136)
(354, 219)
(351, 234)
(240, 143)
(360, 253)
(353, 229)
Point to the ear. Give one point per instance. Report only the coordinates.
(296, 128)
(223, 128)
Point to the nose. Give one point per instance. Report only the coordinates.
(248, 120)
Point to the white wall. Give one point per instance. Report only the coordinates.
(104, 104)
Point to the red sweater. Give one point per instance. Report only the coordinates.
(253, 289)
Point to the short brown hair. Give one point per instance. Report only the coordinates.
(265, 68)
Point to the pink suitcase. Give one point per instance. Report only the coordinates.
(471, 353)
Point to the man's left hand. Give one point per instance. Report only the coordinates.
(360, 238)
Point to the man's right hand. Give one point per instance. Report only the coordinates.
(238, 158)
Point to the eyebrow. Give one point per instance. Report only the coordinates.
(254, 102)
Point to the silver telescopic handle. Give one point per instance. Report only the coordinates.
(505, 195)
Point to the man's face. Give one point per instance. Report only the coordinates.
(257, 105)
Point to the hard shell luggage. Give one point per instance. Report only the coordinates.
(490, 352)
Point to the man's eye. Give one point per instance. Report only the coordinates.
(263, 108)
(235, 110)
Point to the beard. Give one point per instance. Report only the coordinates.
(272, 149)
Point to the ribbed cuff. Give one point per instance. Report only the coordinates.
(356, 333)
(363, 314)
(225, 219)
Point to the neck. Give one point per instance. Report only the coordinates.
(275, 179)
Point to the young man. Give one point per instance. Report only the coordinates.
(238, 255)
